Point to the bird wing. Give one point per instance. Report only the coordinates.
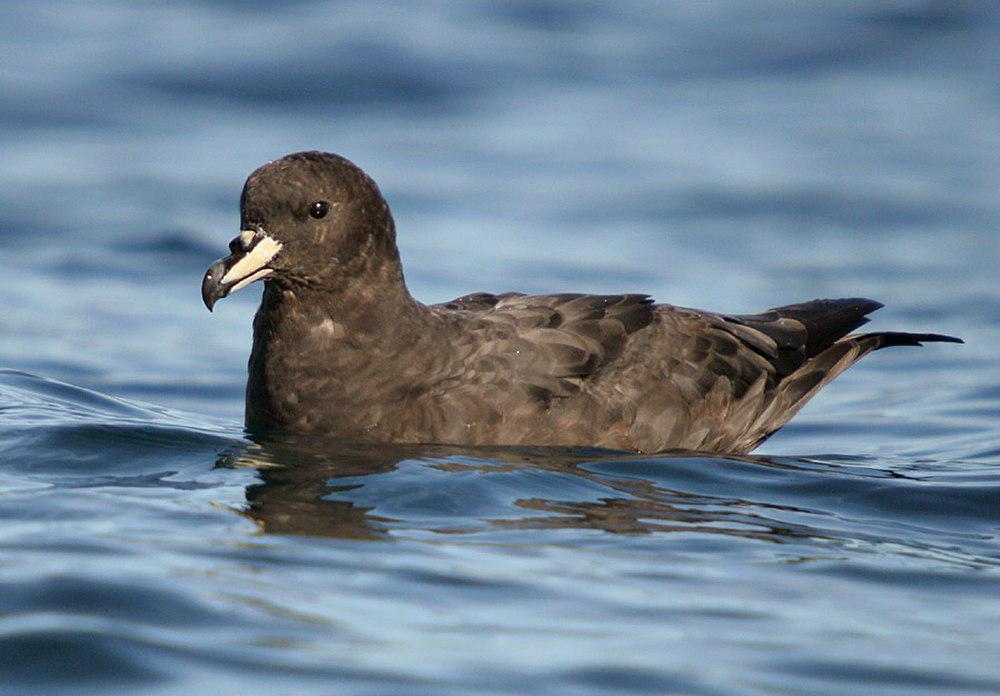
(544, 344)
(726, 382)
(780, 360)
(691, 379)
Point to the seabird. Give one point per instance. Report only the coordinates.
(340, 348)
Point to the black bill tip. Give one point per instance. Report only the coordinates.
(212, 287)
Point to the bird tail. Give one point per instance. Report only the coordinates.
(798, 388)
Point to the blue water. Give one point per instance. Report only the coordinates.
(728, 155)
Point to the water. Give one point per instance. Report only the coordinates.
(730, 155)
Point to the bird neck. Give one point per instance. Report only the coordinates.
(370, 307)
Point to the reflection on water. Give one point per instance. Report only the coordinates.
(318, 487)
(298, 491)
(307, 483)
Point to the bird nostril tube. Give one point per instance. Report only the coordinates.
(243, 243)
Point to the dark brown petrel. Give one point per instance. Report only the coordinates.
(340, 347)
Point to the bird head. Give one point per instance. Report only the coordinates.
(310, 219)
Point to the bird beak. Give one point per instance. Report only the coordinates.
(252, 251)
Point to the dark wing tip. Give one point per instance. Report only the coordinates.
(887, 339)
(941, 338)
(861, 305)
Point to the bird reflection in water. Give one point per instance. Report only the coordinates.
(315, 487)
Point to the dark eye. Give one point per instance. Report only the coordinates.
(319, 209)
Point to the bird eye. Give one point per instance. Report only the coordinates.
(319, 209)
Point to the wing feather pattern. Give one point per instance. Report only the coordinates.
(652, 377)
(547, 344)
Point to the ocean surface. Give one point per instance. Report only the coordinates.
(730, 155)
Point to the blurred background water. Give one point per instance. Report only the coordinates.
(731, 155)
